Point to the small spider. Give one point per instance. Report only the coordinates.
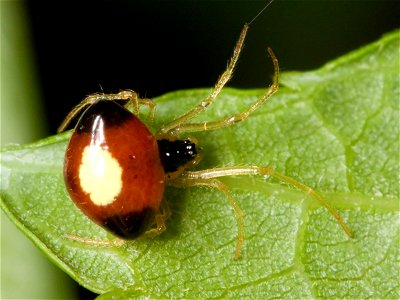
(116, 170)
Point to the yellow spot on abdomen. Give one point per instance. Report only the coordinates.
(100, 175)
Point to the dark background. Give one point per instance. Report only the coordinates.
(154, 47)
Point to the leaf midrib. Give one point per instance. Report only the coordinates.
(338, 199)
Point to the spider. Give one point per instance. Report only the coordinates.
(116, 170)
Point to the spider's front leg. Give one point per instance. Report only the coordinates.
(239, 117)
(208, 178)
(178, 125)
(185, 180)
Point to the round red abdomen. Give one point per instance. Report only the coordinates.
(113, 171)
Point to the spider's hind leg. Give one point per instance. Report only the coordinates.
(160, 219)
(132, 98)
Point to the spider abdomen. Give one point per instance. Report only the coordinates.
(113, 171)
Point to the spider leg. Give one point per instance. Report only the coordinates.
(115, 242)
(184, 181)
(207, 178)
(133, 99)
(203, 126)
(77, 109)
(152, 107)
(159, 220)
(174, 127)
(267, 171)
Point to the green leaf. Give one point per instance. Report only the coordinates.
(25, 272)
(335, 129)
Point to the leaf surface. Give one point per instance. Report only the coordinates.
(335, 129)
